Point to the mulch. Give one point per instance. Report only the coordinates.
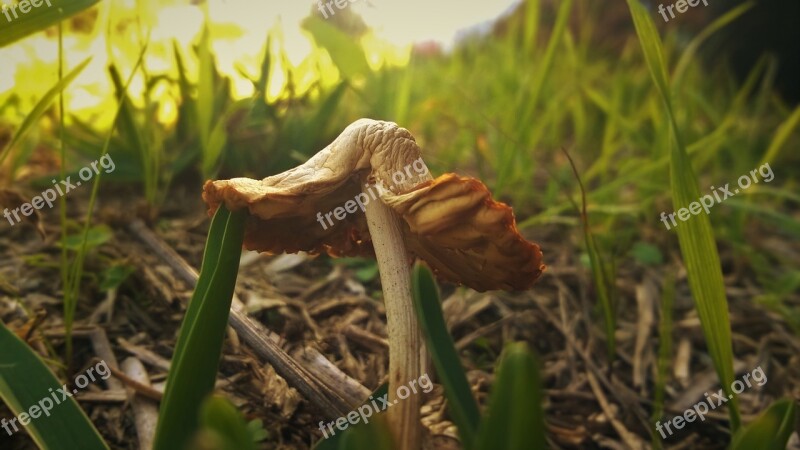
(311, 302)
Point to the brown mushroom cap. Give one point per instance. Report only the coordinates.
(451, 222)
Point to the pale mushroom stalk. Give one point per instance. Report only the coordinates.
(404, 334)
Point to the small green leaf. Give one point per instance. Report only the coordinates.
(96, 236)
(365, 269)
(223, 423)
(115, 276)
(368, 273)
(771, 430)
(647, 254)
(257, 431)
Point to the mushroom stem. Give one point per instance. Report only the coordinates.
(404, 334)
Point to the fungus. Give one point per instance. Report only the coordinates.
(369, 192)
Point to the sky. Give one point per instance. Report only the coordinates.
(399, 23)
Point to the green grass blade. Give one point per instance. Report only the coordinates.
(771, 430)
(265, 69)
(515, 418)
(602, 273)
(651, 46)
(26, 381)
(781, 135)
(205, 96)
(62, 201)
(74, 274)
(219, 135)
(545, 66)
(691, 49)
(527, 104)
(347, 54)
(664, 353)
(130, 130)
(462, 405)
(42, 106)
(695, 236)
(40, 18)
(195, 363)
(186, 127)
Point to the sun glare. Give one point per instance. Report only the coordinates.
(239, 29)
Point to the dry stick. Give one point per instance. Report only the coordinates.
(145, 412)
(632, 440)
(134, 385)
(331, 402)
(102, 348)
(331, 375)
(404, 334)
(144, 355)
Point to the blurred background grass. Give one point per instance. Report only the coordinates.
(239, 89)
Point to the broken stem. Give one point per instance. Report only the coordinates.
(403, 330)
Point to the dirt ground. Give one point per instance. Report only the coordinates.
(313, 303)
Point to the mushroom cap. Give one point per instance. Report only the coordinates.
(451, 222)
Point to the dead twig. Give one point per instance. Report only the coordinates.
(332, 402)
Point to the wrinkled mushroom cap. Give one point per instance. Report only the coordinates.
(451, 222)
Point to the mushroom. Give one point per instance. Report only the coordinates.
(367, 192)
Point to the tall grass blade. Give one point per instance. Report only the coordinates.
(695, 236)
(602, 273)
(130, 131)
(197, 353)
(691, 50)
(25, 381)
(62, 201)
(42, 106)
(527, 104)
(72, 280)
